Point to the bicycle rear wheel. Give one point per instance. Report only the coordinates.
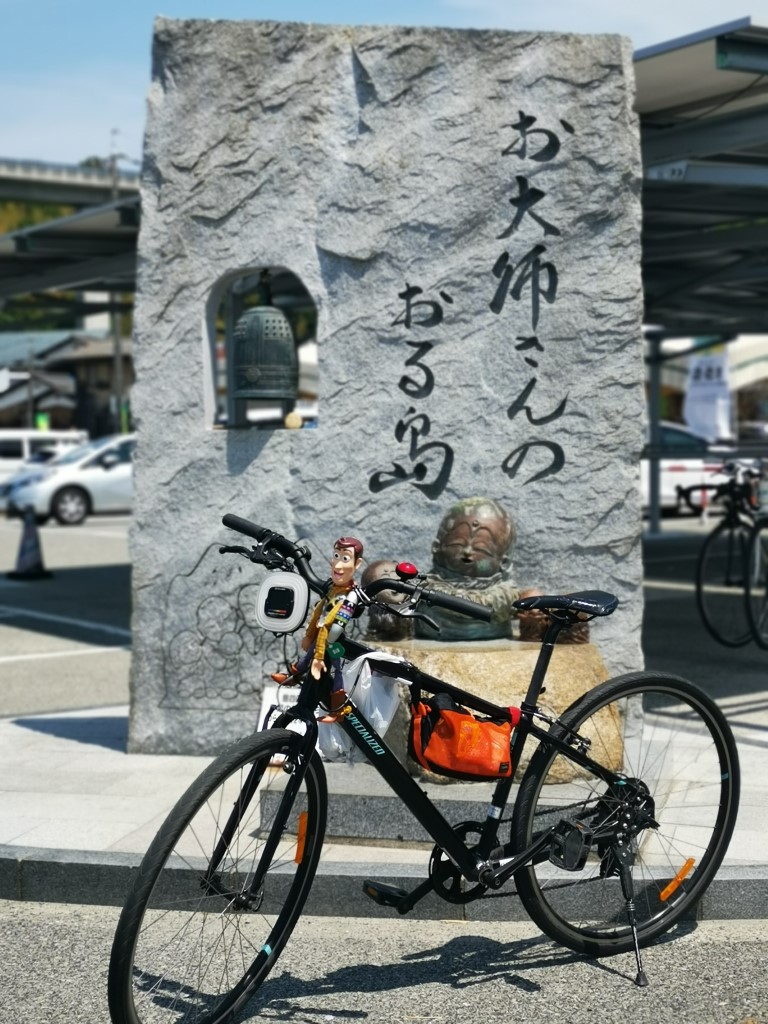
(757, 583)
(198, 935)
(721, 579)
(679, 797)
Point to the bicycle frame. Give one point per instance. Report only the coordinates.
(489, 862)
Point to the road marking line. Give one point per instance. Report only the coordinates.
(60, 654)
(65, 620)
(690, 588)
(670, 585)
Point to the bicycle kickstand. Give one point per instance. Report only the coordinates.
(624, 858)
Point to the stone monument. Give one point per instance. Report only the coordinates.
(461, 210)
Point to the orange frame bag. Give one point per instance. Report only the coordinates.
(446, 738)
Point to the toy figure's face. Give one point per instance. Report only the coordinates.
(344, 564)
(473, 546)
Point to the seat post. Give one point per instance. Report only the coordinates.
(542, 662)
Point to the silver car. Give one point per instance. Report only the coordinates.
(93, 478)
(686, 460)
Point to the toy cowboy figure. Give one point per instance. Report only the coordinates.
(329, 619)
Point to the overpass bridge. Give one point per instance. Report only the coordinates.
(34, 181)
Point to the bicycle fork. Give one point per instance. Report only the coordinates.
(295, 766)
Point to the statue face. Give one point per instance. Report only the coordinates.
(344, 564)
(474, 545)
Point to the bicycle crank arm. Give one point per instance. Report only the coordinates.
(399, 899)
(499, 869)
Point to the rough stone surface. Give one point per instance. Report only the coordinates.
(370, 161)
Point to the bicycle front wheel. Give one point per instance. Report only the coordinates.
(757, 583)
(678, 796)
(721, 580)
(221, 887)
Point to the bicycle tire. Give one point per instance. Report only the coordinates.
(721, 579)
(188, 945)
(757, 583)
(666, 732)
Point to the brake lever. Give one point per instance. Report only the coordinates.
(234, 549)
(258, 555)
(411, 613)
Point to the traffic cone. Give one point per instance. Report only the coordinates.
(29, 561)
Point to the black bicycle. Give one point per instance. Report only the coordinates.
(757, 579)
(619, 823)
(725, 569)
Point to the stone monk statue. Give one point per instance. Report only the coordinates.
(471, 558)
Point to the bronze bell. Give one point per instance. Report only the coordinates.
(266, 364)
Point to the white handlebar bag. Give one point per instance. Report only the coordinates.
(375, 694)
(282, 602)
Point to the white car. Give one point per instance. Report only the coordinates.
(22, 445)
(93, 478)
(687, 459)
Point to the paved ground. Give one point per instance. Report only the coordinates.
(70, 797)
(350, 970)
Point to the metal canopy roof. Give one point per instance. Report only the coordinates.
(94, 249)
(703, 105)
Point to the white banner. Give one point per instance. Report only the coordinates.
(707, 407)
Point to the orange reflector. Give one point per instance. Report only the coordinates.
(677, 881)
(301, 837)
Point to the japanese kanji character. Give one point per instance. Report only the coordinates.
(528, 198)
(529, 269)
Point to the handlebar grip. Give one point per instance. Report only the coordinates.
(250, 529)
(457, 604)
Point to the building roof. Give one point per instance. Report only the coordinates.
(703, 105)
(94, 249)
(18, 347)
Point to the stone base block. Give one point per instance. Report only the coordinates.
(498, 671)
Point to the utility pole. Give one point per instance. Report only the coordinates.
(30, 389)
(114, 316)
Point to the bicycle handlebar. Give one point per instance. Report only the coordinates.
(286, 549)
(433, 597)
(269, 540)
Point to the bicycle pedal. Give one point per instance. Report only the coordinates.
(383, 894)
(570, 845)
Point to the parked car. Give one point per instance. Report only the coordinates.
(19, 446)
(753, 430)
(686, 459)
(94, 478)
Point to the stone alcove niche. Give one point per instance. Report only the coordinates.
(261, 351)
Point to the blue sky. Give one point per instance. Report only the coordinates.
(74, 73)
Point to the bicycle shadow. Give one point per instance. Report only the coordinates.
(461, 963)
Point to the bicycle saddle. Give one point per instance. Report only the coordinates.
(586, 602)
